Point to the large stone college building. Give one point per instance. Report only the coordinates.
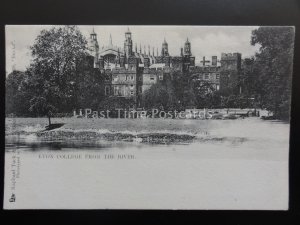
(129, 71)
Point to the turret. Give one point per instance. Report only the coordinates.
(230, 71)
(133, 62)
(122, 61)
(214, 60)
(101, 62)
(168, 61)
(93, 48)
(187, 48)
(93, 35)
(110, 40)
(231, 61)
(164, 50)
(128, 43)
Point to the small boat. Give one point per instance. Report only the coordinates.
(54, 126)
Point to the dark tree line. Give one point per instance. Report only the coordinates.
(273, 65)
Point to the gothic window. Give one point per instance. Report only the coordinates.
(120, 90)
(116, 90)
(131, 77)
(206, 76)
(131, 92)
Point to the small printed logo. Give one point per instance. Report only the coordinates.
(12, 198)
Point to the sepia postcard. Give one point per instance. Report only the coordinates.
(147, 117)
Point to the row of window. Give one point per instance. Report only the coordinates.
(208, 76)
(121, 91)
(131, 78)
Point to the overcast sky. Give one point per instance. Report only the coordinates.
(205, 40)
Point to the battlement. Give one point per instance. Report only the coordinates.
(231, 56)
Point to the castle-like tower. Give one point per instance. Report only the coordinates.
(230, 71)
(93, 48)
(128, 44)
(187, 48)
(164, 49)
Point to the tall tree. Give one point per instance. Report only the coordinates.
(54, 73)
(274, 63)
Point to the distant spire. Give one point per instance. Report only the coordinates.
(128, 31)
(144, 50)
(93, 35)
(110, 39)
(153, 51)
(140, 48)
(93, 31)
(136, 47)
(165, 40)
(149, 50)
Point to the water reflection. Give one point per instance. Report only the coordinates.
(29, 134)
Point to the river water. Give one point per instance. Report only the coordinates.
(147, 163)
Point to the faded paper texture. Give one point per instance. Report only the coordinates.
(147, 117)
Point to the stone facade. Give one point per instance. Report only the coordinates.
(130, 73)
(208, 72)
